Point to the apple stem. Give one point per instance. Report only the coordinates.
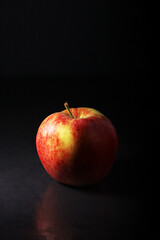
(67, 107)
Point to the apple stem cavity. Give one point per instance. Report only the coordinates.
(67, 107)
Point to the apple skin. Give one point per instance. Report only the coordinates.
(77, 151)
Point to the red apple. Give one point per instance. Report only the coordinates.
(77, 146)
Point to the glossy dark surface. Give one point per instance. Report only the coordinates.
(34, 206)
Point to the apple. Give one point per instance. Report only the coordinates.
(77, 146)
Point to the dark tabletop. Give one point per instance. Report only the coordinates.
(34, 206)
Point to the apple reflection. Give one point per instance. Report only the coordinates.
(51, 216)
(67, 213)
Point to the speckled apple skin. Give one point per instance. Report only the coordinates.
(77, 151)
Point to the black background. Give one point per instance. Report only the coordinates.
(93, 54)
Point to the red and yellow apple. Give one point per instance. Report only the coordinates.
(77, 146)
